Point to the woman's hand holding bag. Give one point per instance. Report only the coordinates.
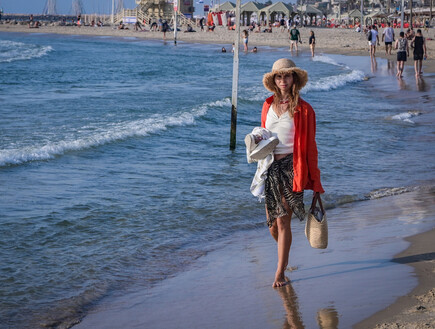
(316, 227)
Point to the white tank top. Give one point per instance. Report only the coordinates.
(282, 127)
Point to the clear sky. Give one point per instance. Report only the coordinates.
(63, 6)
(91, 6)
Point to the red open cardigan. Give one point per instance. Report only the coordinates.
(306, 171)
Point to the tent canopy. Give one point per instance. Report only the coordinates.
(377, 14)
(307, 9)
(252, 6)
(278, 7)
(227, 6)
(353, 14)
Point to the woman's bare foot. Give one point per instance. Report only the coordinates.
(280, 280)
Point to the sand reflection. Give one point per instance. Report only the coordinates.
(421, 84)
(291, 306)
(327, 318)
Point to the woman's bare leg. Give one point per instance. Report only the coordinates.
(284, 243)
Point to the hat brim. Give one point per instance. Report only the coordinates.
(269, 78)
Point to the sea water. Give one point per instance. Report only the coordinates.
(115, 168)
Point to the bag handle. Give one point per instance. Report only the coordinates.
(316, 198)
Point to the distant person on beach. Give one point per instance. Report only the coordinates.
(388, 36)
(420, 52)
(138, 26)
(402, 52)
(282, 24)
(245, 40)
(254, 50)
(374, 40)
(224, 50)
(426, 25)
(294, 168)
(189, 28)
(312, 42)
(79, 20)
(165, 28)
(295, 37)
(410, 34)
(201, 23)
(31, 22)
(153, 26)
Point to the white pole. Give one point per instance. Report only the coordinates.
(402, 15)
(235, 80)
(113, 11)
(175, 20)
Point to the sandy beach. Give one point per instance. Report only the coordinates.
(376, 273)
(333, 41)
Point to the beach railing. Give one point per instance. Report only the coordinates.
(139, 13)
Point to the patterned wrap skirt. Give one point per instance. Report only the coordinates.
(279, 182)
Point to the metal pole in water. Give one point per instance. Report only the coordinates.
(235, 80)
(175, 20)
(113, 11)
(402, 15)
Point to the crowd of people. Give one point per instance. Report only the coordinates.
(407, 40)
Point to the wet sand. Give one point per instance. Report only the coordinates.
(357, 276)
(333, 41)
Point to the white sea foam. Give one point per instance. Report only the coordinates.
(385, 192)
(11, 51)
(325, 59)
(104, 135)
(334, 82)
(406, 116)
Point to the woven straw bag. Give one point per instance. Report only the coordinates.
(316, 227)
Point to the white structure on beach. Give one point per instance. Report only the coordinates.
(50, 8)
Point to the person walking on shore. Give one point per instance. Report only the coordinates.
(388, 35)
(402, 51)
(294, 168)
(420, 52)
(312, 42)
(295, 37)
(245, 40)
(374, 39)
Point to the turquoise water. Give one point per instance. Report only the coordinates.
(115, 166)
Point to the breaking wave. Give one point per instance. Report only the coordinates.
(104, 135)
(11, 51)
(406, 116)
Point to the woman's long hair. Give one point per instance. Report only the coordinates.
(293, 96)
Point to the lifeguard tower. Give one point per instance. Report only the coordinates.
(165, 8)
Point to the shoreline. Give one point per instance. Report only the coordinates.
(334, 41)
(230, 287)
(417, 308)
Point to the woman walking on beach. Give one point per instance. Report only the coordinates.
(312, 42)
(419, 52)
(402, 52)
(245, 40)
(294, 168)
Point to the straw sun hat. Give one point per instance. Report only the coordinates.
(282, 66)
